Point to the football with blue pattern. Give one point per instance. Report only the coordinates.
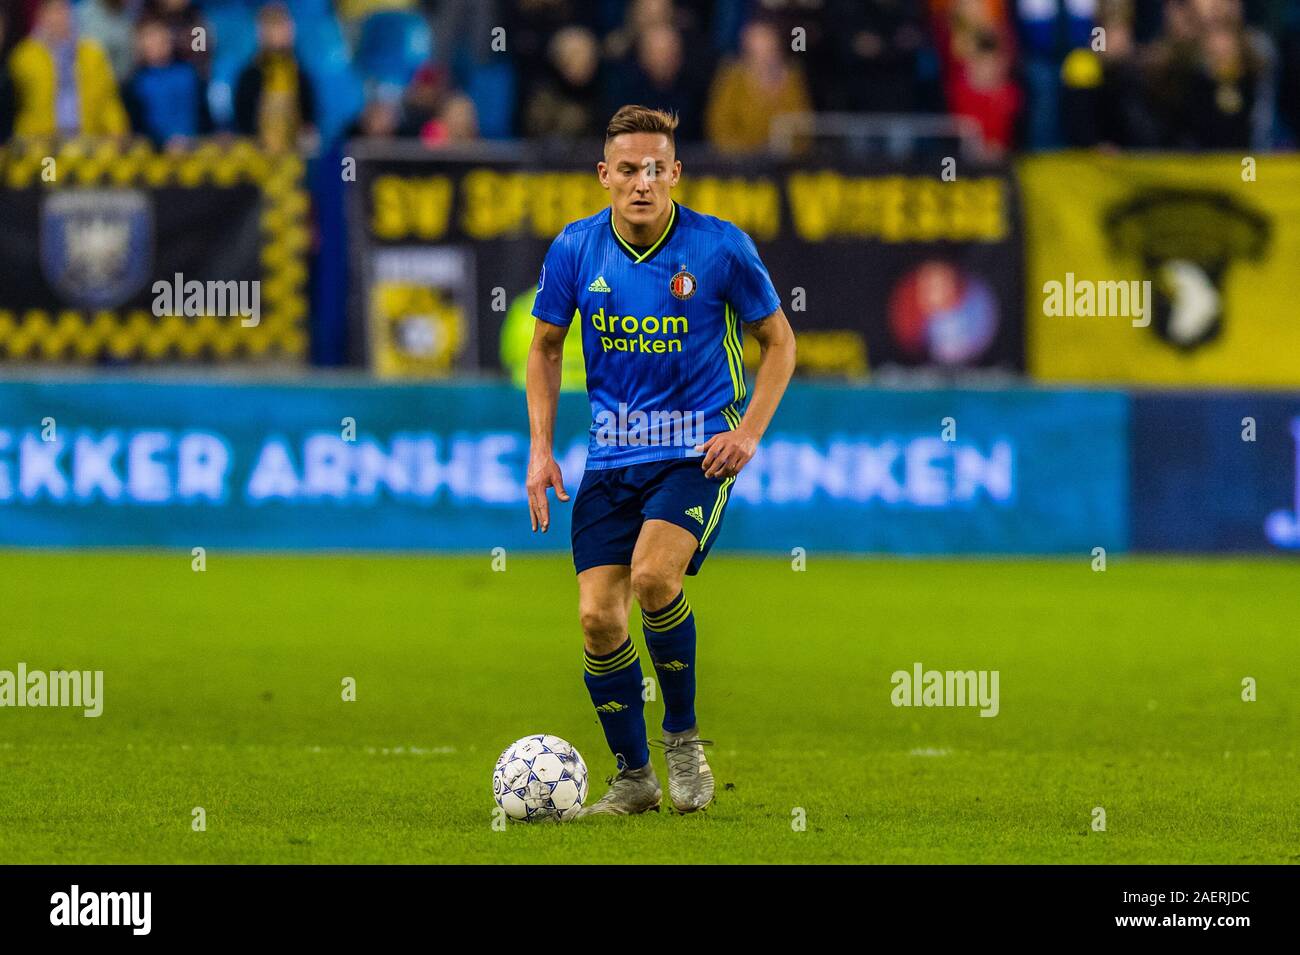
(540, 777)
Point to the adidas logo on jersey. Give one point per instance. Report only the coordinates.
(696, 512)
(599, 285)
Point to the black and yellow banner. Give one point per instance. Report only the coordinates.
(120, 255)
(878, 266)
(1163, 270)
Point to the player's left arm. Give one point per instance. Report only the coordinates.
(726, 453)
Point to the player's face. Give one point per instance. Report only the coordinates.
(640, 169)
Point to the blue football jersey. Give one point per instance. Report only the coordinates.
(661, 330)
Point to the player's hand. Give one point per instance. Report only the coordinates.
(543, 473)
(726, 453)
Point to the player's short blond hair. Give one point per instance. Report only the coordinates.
(641, 119)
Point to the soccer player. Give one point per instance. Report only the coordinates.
(662, 294)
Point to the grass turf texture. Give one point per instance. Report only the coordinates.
(223, 690)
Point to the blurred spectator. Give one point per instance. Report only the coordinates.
(877, 49)
(802, 31)
(165, 97)
(566, 103)
(467, 38)
(748, 93)
(1052, 32)
(455, 125)
(63, 83)
(380, 118)
(425, 96)
(1172, 60)
(1206, 78)
(660, 78)
(1104, 95)
(977, 48)
(1289, 83)
(11, 27)
(980, 87)
(274, 97)
(529, 27)
(962, 28)
(111, 23)
(641, 15)
(19, 16)
(431, 109)
(183, 20)
(1258, 56)
(1222, 93)
(1183, 74)
(7, 103)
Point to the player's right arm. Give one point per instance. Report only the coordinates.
(545, 357)
(553, 309)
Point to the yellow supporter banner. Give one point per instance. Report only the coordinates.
(113, 253)
(1173, 270)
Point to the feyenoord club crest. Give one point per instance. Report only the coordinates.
(683, 284)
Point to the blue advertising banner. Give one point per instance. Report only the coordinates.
(850, 470)
(442, 468)
(1216, 472)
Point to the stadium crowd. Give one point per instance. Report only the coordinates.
(1030, 74)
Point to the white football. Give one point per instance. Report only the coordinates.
(540, 777)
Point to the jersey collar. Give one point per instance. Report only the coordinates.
(631, 252)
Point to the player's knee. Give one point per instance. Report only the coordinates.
(654, 585)
(602, 629)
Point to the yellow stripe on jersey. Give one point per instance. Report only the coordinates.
(726, 347)
(731, 416)
(735, 357)
(716, 513)
(642, 256)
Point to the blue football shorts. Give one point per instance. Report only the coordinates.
(613, 503)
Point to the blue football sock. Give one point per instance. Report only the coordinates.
(670, 636)
(614, 682)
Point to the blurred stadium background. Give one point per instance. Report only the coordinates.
(916, 175)
(959, 202)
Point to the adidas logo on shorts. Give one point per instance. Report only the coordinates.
(696, 512)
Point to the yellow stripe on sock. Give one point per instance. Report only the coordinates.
(601, 667)
(665, 611)
(609, 666)
(677, 616)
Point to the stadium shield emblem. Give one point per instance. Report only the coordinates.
(96, 245)
(683, 284)
(1187, 240)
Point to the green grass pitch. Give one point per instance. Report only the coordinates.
(1120, 690)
